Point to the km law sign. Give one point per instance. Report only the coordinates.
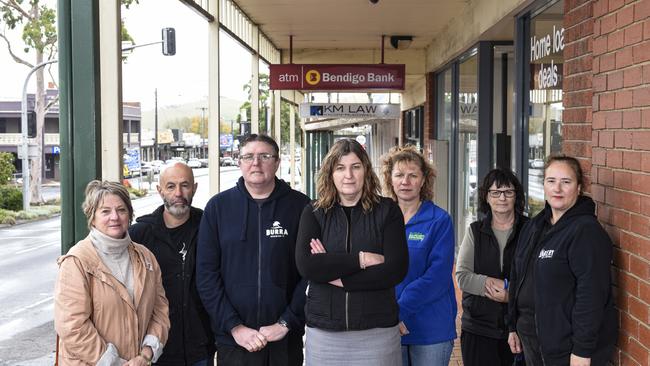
(337, 77)
(310, 110)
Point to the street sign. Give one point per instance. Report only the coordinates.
(308, 110)
(132, 159)
(32, 152)
(337, 77)
(56, 150)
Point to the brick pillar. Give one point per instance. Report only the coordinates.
(607, 54)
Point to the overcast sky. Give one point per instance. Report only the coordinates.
(180, 79)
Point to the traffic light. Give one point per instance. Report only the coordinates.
(31, 124)
(168, 41)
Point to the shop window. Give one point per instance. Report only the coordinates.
(414, 127)
(544, 112)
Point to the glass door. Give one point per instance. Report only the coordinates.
(467, 146)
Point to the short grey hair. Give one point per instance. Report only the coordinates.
(96, 191)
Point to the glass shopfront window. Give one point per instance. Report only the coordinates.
(545, 97)
(466, 149)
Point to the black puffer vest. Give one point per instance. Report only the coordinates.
(481, 315)
(332, 308)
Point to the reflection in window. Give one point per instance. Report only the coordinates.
(466, 149)
(545, 108)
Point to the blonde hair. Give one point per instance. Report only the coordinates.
(96, 191)
(409, 154)
(327, 193)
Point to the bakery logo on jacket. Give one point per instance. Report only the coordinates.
(416, 236)
(546, 254)
(276, 231)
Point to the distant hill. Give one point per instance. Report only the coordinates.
(229, 110)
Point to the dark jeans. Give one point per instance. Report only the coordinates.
(285, 352)
(478, 350)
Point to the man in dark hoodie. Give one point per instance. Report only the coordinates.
(171, 233)
(246, 270)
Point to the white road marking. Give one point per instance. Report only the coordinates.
(36, 247)
(38, 303)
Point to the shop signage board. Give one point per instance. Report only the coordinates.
(337, 77)
(545, 52)
(310, 110)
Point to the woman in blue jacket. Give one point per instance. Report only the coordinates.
(426, 299)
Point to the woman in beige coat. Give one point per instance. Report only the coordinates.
(109, 302)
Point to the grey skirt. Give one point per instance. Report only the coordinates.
(376, 347)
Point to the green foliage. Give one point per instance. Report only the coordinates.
(8, 217)
(11, 198)
(7, 167)
(284, 110)
(137, 192)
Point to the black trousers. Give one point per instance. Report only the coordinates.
(480, 351)
(285, 352)
(535, 358)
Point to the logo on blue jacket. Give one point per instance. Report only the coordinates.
(276, 231)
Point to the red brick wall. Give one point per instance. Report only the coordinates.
(607, 124)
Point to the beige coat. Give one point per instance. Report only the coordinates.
(92, 308)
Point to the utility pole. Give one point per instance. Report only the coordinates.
(201, 128)
(156, 156)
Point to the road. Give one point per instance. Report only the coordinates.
(28, 270)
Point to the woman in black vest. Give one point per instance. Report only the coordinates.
(352, 249)
(483, 266)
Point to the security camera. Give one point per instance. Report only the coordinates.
(373, 1)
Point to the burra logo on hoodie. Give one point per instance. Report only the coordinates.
(276, 231)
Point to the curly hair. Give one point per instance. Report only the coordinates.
(408, 154)
(327, 193)
(96, 191)
(501, 177)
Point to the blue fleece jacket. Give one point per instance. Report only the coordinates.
(426, 298)
(245, 262)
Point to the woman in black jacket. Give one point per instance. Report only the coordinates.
(483, 269)
(352, 248)
(561, 305)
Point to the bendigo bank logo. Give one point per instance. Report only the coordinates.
(312, 77)
(276, 231)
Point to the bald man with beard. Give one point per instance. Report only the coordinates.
(171, 233)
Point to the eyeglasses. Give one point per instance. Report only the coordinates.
(263, 157)
(495, 193)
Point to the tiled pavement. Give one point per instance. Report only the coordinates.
(456, 359)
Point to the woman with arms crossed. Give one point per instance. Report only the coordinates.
(352, 250)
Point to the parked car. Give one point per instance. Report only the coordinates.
(536, 163)
(204, 163)
(174, 160)
(226, 161)
(194, 163)
(156, 165)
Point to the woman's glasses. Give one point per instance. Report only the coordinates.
(495, 193)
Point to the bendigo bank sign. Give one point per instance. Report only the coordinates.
(336, 77)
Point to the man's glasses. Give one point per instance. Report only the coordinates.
(495, 193)
(264, 158)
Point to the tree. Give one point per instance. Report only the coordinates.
(38, 34)
(7, 167)
(38, 21)
(263, 98)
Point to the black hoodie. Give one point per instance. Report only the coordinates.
(574, 308)
(246, 271)
(190, 337)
